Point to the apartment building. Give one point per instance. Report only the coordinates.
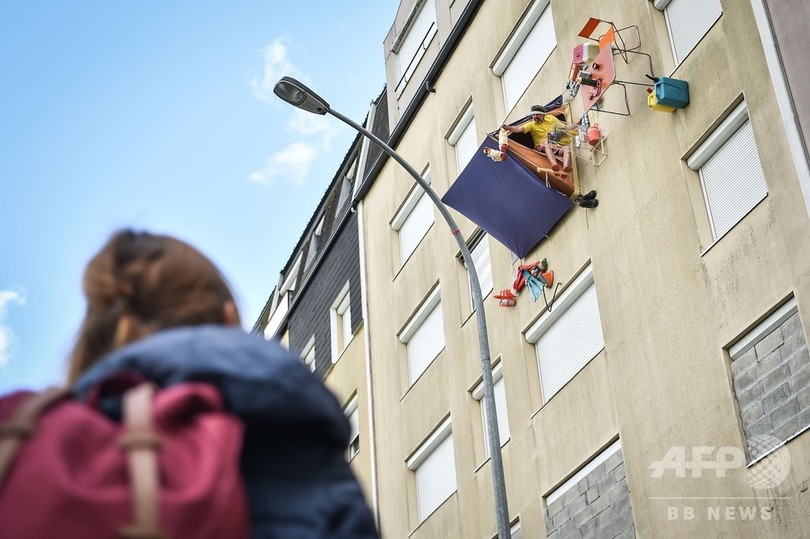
(661, 386)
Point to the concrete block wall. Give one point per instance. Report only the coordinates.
(772, 385)
(597, 506)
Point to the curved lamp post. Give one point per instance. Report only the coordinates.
(295, 93)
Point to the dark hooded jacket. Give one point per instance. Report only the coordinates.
(298, 482)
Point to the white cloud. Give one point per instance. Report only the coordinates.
(323, 127)
(276, 65)
(291, 163)
(6, 335)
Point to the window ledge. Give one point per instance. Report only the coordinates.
(455, 493)
(778, 447)
(715, 242)
(336, 358)
(566, 384)
(486, 461)
(421, 375)
(472, 314)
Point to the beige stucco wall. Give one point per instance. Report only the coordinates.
(347, 379)
(670, 300)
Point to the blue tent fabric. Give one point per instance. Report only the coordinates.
(507, 200)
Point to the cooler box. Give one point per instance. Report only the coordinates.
(672, 92)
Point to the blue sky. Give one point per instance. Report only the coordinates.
(159, 115)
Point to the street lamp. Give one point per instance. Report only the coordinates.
(295, 93)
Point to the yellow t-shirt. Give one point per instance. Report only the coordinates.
(540, 130)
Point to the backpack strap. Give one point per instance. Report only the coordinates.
(141, 443)
(22, 425)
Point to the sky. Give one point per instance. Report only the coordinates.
(159, 115)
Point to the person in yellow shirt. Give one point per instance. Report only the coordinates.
(539, 127)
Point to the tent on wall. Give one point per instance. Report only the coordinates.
(507, 199)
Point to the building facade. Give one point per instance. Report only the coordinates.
(661, 386)
(317, 306)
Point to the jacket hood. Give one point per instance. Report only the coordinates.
(268, 387)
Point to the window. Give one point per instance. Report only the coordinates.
(340, 317)
(345, 190)
(770, 369)
(464, 139)
(354, 425)
(514, 532)
(308, 354)
(413, 220)
(424, 335)
(688, 21)
(500, 406)
(480, 256)
(599, 494)
(731, 175)
(412, 44)
(314, 243)
(569, 336)
(435, 466)
(527, 50)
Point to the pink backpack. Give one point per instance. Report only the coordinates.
(169, 470)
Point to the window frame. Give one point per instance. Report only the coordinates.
(501, 408)
(308, 354)
(663, 5)
(412, 24)
(340, 322)
(514, 47)
(407, 210)
(415, 324)
(314, 243)
(422, 453)
(351, 410)
(744, 344)
(590, 466)
(479, 240)
(761, 330)
(572, 294)
(730, 127)
(461, 129)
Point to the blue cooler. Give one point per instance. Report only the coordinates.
(672, 92)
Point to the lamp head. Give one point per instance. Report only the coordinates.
(298, 95)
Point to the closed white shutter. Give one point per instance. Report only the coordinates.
(436, 478)
(733, 180)
(500, 406)
(500, 409)
(309, 356)
(425, 343)
(688, 22)
(483, 267)
(570, 342)
(354, 436)
(344, 313)
(466, 145)
(529, 58)
(412, 47)
(500, 412)
(415, 227)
